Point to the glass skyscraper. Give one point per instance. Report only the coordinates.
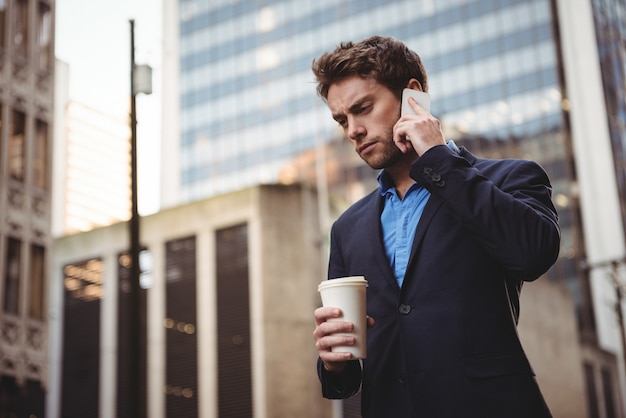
(248, 106)
(247, 96)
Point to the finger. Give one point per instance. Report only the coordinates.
(403, 144)
(419, 110)
(329, 328)
(370, 322)
(325, 313)
(335, 357)
(328, 342)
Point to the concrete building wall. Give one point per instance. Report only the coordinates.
(550, 337)
(285, 267)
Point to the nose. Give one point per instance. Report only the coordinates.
(355, 128)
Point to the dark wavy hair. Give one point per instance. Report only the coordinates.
(384, 59)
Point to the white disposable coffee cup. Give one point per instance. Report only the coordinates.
(348, 294)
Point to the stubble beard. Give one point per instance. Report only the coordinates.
(387, 157)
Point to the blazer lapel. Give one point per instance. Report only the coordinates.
(378, 251)
(431, 208)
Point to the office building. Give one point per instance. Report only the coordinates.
(92, 171)
(538, 79)
(227, 297)
(26, 120)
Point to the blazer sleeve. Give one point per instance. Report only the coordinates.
(340, 385)
(347, 383)
(505, 204)
(336, 267)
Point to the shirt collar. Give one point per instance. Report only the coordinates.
(385, 182)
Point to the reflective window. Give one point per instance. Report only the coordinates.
(36, 286)
(12, 275)
(610, 24)
(20, 28)
(17, 145)
(40, 155)
(44, 36)
(3, 21)
(181, 341)
(80, 374)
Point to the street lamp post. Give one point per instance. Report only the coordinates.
(140, 82)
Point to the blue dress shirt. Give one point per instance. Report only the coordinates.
(399, 220)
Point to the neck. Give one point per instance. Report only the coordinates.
(399, 173)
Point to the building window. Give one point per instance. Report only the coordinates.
(233, 323)
(592, 396)
(609, 394)
(12, 276)
(44, 36)
(20, 28)
(21, 398)
(180, 321)
(3, 21)
(36, 289)
(40, 157)
(17, 145)
(80, 381)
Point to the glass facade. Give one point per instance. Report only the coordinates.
(82, 282)
(234, 349)
(181, 338)
(248, 98)
(610, 23)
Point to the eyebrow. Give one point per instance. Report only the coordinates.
(354, 108)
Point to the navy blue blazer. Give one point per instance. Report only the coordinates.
(446, 344)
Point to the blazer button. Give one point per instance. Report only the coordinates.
(404, 309)
(402, 379)
(436, 177)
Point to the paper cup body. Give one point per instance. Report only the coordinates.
(349, 295)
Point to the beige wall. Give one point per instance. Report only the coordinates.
(549, 333)
(291, 269)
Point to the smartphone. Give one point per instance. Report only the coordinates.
(423, 99)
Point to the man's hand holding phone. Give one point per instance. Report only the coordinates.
(417, 129)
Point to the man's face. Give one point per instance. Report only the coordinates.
(367, 112)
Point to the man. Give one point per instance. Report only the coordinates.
(445, 245)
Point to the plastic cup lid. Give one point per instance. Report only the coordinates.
(342, 281)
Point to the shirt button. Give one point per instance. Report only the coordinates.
(404, 309)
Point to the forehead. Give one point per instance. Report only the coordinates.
(350, 90)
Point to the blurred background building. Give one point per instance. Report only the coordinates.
(537, 79)
(91, 176)
(228, 298)
(26, 123)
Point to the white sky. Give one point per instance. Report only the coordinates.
(93, 37)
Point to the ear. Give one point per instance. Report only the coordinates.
(414, 84)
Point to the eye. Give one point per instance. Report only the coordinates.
(363, 109)
(342, 122)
